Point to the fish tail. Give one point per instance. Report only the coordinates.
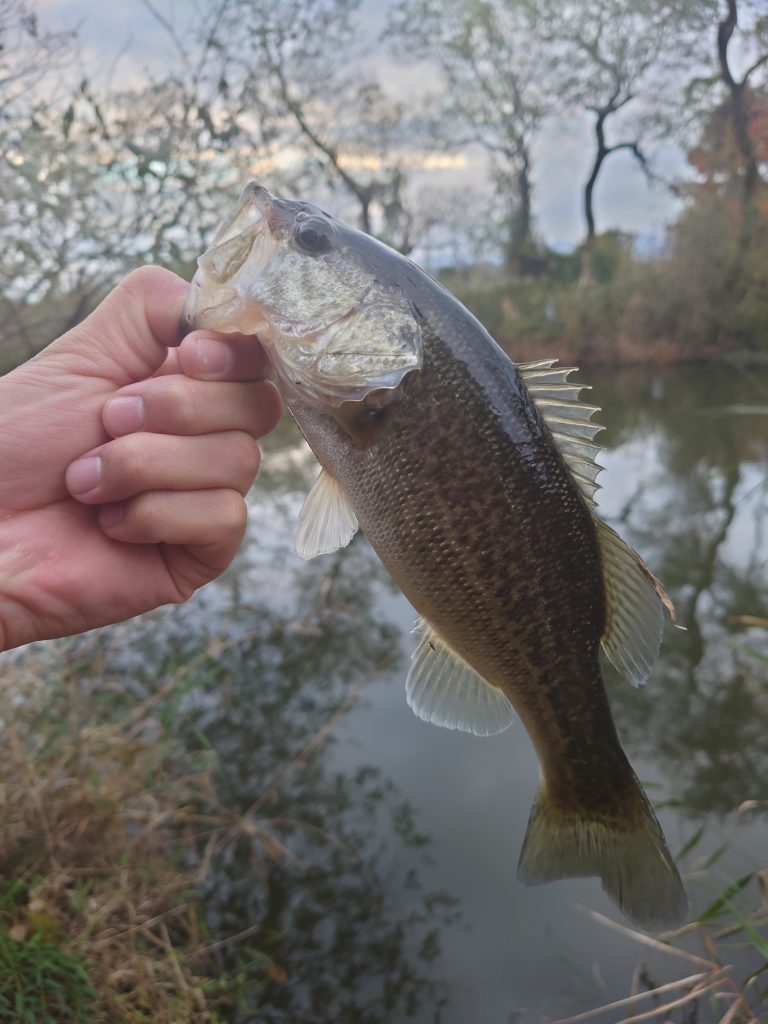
(628, 853)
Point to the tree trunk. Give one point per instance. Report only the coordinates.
(589, 189)
(525, 220)
(520, 225)
(739, 112)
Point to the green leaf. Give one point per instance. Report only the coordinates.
(754, 936)
(752, 653)
(724, 899)
(692, 842)
(714, 857)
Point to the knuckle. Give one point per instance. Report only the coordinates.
(136, 284)
(139, 279)
(233, 512)
(127, 460)
(246, 454)
(140, 518)
(179, 403)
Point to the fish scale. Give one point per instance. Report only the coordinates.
(473, 480)
(414, 510)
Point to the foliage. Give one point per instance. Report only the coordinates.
(497, 95)
(97, 920)
(40, 983)
(97, 179)
(181, 839)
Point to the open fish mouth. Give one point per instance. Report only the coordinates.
(290, 274)
(248, 235)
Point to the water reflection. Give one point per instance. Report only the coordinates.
(352, 858)
(687, 480)
(327, 871)
(348, 912)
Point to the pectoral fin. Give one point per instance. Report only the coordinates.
(326, 520)
(441, 688)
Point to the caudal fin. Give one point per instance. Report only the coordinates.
(629, 855)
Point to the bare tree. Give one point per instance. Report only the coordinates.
(495, 90)
(610, 56)
(739, 87)
(28, 51)
(96, 181)
(293, 74)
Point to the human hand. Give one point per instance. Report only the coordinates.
(123, 463)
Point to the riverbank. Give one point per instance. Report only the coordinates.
(104, 819)
(202, 822)
(610, 309)
(623, 312)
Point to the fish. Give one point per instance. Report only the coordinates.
(473, 478)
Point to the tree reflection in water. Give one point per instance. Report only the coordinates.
(688, 485)
(329, 872)
(341, 909)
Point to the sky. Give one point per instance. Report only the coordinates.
(123, 39)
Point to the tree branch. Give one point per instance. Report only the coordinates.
(639, 155)
(725, 31)
(753, 67)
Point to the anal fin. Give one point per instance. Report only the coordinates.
(442, 689)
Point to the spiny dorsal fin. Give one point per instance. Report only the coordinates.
(326, 520)
(441, 688)
(568, 418)
(635, 602)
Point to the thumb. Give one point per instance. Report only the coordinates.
(127, 336)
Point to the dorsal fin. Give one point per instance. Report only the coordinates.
(442, 689)
(569, 419)
(635, 602)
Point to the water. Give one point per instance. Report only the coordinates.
(380, 863)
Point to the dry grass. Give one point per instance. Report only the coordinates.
(108, 827)
(714, 992)
(95, 817)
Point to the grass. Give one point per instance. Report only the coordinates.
(100, 922)
(109, 826)
(728, 983)
(716, 991)
(41, 983)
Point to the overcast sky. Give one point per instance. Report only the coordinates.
(125, 37)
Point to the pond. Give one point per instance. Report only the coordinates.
(382, 873)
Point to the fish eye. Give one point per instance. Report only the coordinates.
(314, 236)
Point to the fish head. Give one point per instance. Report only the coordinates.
(317, 293)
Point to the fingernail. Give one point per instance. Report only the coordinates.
(124, 415)
(84, 475)
(110, 515)
(215, 358)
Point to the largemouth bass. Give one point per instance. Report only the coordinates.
(473, 479)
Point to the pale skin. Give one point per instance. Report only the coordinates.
(123, 463)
